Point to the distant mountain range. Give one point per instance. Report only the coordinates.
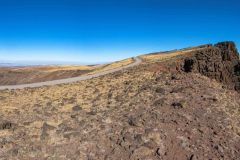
(19, 64)
(6, 64)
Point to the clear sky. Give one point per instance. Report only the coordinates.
(93, 31)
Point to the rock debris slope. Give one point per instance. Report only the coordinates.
(161, 110)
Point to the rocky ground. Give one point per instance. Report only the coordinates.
(156, 110)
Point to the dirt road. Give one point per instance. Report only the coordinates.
(70, 80)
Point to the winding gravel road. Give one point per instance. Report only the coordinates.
(137, 61)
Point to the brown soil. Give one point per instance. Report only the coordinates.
(13, 76)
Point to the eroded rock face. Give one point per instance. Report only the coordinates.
(219, 61)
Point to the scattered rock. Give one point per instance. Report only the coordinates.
(177, 105)
(177, 90)
(6, 125)
(174, 77)
(45, 129)
(76, 108)
(158, 152)
(71, 134)
(141, 153)
(132, 121)
(160, 90)
(192, 157)
(73, 116)
(92, 113)
(159, 102)
(219, 149)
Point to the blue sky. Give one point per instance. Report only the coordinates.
(94, 31)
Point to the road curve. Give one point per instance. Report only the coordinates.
(137, 61)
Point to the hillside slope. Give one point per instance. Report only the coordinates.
(33, 74)
(165, 108)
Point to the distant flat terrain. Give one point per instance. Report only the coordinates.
(32, 74)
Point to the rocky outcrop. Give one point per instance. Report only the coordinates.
(219, 61)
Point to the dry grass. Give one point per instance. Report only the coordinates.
(167, 55)
(53, 68)
(113, 65)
